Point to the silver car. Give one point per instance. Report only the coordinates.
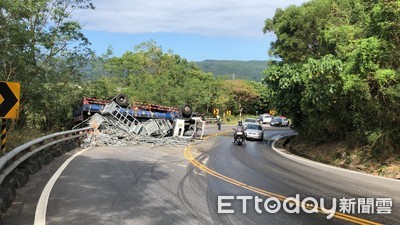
(249, 121)
(254, 131)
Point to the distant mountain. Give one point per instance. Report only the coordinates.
(246, 70)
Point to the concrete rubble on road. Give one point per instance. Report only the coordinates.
(110, 131)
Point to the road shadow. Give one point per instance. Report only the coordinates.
(102, 187)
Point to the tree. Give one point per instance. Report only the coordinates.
(338, 68)
(42, 47)
(152, 76)
(240, 93)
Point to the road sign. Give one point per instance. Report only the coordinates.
(216, 111)
(9, 100)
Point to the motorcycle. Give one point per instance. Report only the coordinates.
(240, 136)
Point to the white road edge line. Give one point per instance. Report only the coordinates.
(197, 173)
(181, 165)
(41, 208)
(304, 160)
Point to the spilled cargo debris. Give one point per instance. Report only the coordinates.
(118, 124)
(110, 137)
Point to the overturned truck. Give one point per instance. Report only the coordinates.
(138, 118)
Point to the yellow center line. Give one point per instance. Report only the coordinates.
(188, 155)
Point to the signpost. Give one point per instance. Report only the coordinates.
(3, 135)
(9, 107)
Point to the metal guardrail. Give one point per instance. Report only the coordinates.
(14, 158)
(210, 120)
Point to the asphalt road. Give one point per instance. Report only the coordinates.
(258, 166)
(144, 185)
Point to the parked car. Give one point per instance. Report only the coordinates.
(249, 120)
(285, 122)
(279, 122)
(264, 118)
(254, 131)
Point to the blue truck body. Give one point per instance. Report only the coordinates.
(91, 106)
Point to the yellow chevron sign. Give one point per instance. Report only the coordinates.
(216, 111)
(9, 100)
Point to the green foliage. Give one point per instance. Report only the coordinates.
(102, 88)
(285, 84)
(245, 70)
(149, 75)
(240, 93)
(338, 78)
(43, 48)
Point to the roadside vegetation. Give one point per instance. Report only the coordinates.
(245, 70)
(337, 76)
(148, 74)
(43, 48)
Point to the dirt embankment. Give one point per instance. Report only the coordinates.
(337, 154)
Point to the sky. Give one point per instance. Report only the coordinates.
(196, 30)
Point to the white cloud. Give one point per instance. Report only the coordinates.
(229, 18)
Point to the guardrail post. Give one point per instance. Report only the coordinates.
(3, 136)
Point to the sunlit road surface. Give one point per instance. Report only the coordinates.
(176, 185)
(255, 169)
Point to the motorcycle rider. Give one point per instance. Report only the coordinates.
(239, 128)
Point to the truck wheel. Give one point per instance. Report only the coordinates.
(187, 111)
(122, 100)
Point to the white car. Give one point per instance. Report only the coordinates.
(265, 118)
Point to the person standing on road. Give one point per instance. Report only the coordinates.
(219, 122)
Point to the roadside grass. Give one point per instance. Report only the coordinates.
(17, 137)
(340, 155)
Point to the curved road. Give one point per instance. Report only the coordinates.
(144, 185)
(257, 165)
